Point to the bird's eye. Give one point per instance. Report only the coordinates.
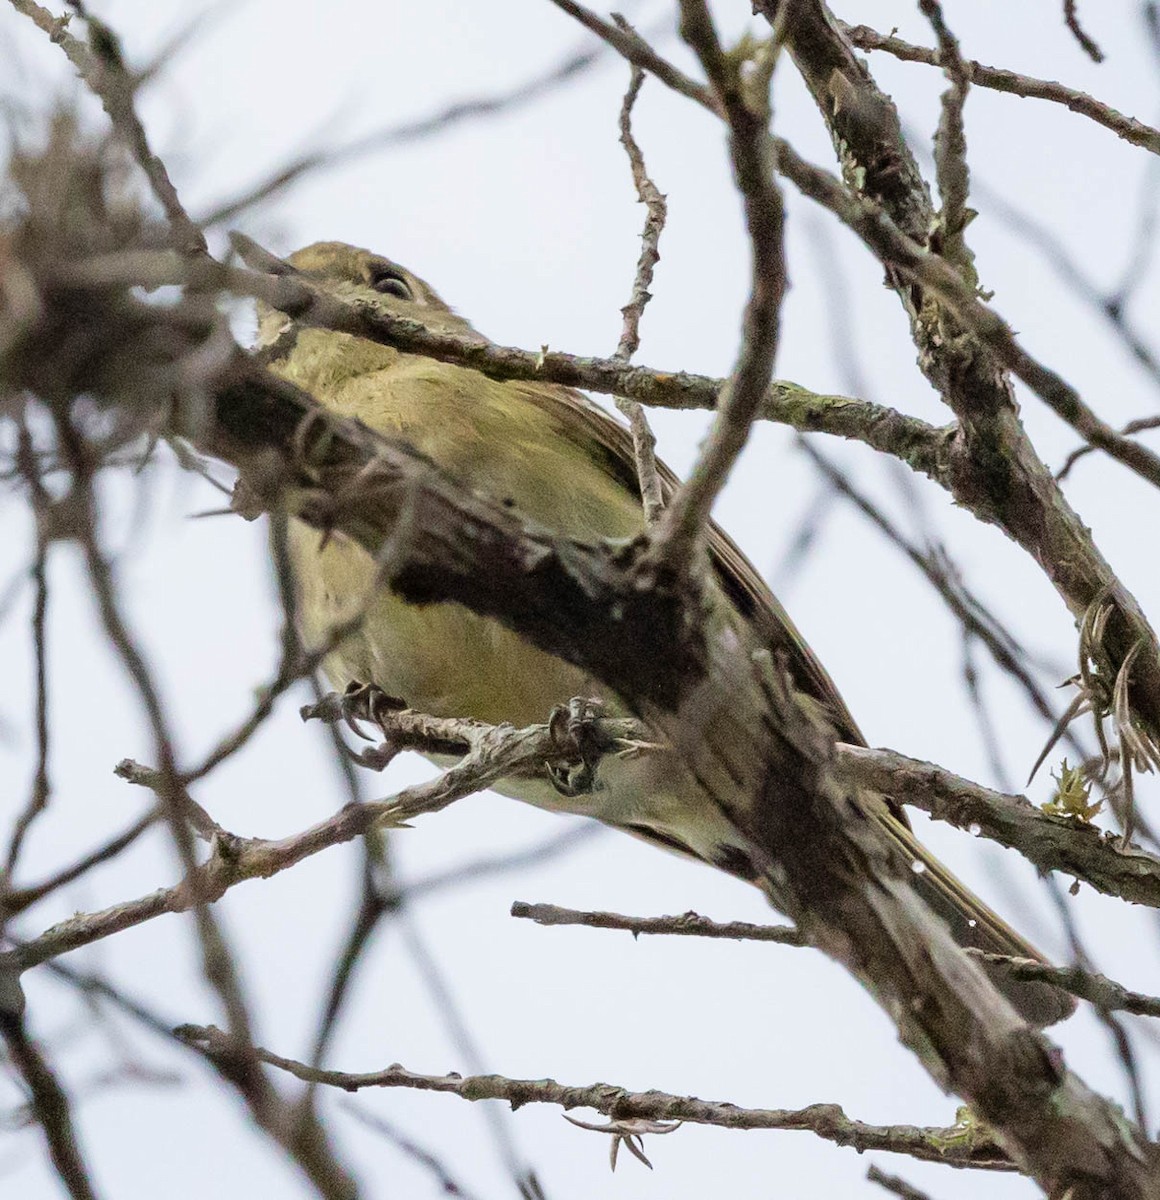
(390, 283)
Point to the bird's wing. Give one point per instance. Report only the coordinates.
(606, 440)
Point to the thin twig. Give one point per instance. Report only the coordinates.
(377, 898)
(18, 899)
(688, 924)
(977, 621)
(50, 1106)
(1103, 304)
(493, 752)
(1088, 985)
(950, 145)
(1071, 20)
(294, 664)
(536, 855)
(520, 1172)
(919, 443)
(41, 787)
(744, 103)
(894, 248)
(448, 1184)
(110, 80)
(305, 1140)
(643, 441)
(1136, 426)
(1000, 80)
(828, 1121)
(1048, 842)
(446, 119)
(635, 49)
(895, 1184)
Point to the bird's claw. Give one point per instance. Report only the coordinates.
(571, 728)
(364, 702)
(630, 1131)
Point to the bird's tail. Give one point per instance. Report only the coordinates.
(974, 925)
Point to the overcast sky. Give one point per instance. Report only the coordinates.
(527, 223)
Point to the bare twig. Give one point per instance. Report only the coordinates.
(1007, 654)
(49, 1103)
(448, 1184)
(1107, 305)
(1000, 80)
(38, 799)
(1071, 20)
(294, 664)
(491, 753)
(643, 442)
(895, 1184)
(898, 251)
(109, 79)
(636, 50)
(688, 924)
(460, 111)
(1098, 989)
(922, 445)
(950, 146)
(375, 902)
(828, 1121)
(744, 103)
(550, 848)
(521, 1173)
(1136, 426)
(1050, 843)
(216, 961)
(18, 899)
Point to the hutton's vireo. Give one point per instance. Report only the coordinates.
(567, 465)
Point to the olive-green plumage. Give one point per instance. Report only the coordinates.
(565, 464)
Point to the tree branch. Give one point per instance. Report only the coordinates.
(688, 924)
(828, 1121)
(1014, 84)
(1050, 843)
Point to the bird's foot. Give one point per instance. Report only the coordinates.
(367, 702)
(571, 728)
(629, 1131)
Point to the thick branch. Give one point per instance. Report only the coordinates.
(728, 716)
(697, 672)
(995, 470)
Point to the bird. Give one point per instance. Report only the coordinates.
(561, 461)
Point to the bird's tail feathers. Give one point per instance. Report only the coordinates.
(974, 925)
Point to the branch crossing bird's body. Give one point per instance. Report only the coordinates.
(564, 464)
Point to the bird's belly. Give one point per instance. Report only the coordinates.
(445, 660)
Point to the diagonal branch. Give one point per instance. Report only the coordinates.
(1014, 84)
(48, 1101)
(992, 469)
(1051, 843)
